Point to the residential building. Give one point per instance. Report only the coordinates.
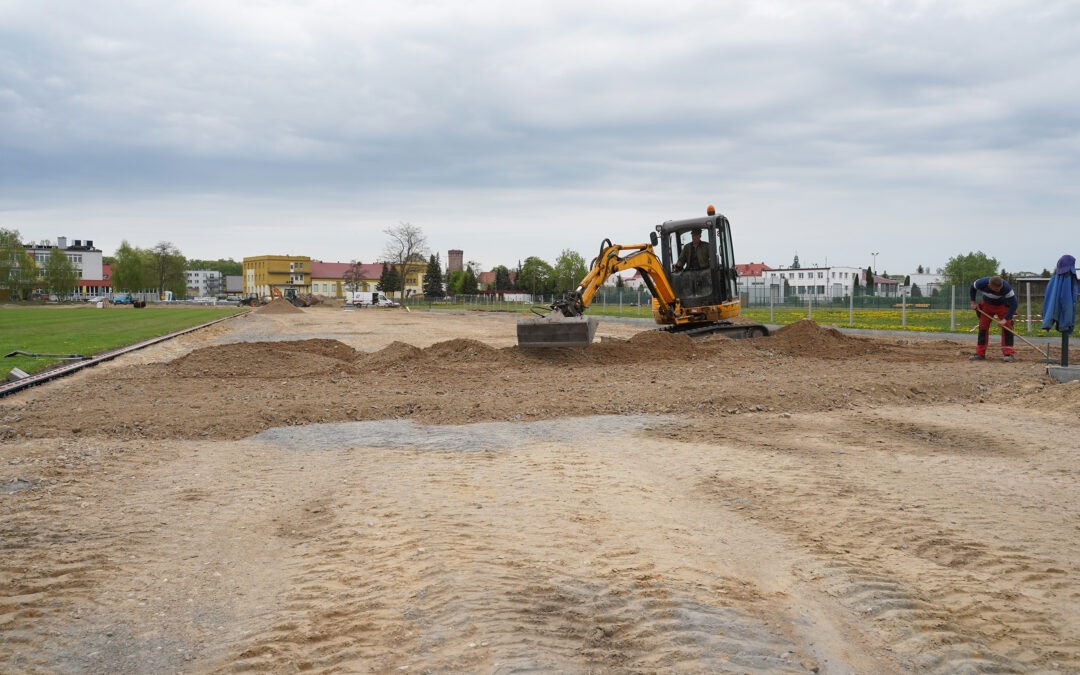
(284, 272)
(101, 285)
(83, 255)
(329, 279)
(753, 284)
(819, 283)
(203, 283)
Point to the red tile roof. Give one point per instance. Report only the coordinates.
(752, 269)
(337, 270)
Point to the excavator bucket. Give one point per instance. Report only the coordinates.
(556, 330)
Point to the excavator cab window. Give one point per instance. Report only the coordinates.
(693, 285)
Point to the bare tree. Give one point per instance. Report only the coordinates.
(406, 244)
(354, 276)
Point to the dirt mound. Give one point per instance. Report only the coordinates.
(393, 354)
(461, 351)
(266, 359)
(279, 306)
(809, 339)
(1057, 397)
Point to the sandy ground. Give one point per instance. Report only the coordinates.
(382, 491)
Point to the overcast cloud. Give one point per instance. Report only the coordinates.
(507, 129)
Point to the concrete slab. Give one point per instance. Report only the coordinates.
(1064, 373)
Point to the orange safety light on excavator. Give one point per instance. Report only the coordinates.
(711, 210)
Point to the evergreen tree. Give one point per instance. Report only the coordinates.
(454, 281)
(869, 280)
(433, 287)
(389, 281)
(855, 287)
(907, 280)
(916, 292)
(502, 278)
(468, 284)
(919, 269)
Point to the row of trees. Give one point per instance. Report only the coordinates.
(156, 269)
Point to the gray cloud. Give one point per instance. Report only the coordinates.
(919, 128)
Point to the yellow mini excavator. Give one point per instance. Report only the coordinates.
(689, 295)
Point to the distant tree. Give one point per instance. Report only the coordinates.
(353, 277)
(477, 268)
(535, 276)
(226, 266)
(433, 287)
(919, 269)
(915, 291)
(61, 275)
(502, 278)
(568, 272)
(962, 270)
(1011, 278)
(167, 266)
(795, 263)
(108, 260)
(855, 286)
(131, 271)
(454, 281)
(869, 280)
(907, 280)
(389, 281)
(1046, 274)
(468, 283)
(12, 257)
(619, 283)
(405, 242)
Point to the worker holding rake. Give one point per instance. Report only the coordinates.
(998, 303)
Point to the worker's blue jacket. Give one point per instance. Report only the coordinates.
(1003, 296)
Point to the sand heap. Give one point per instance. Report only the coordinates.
(279, 306)
(266, 359)
(809, 339)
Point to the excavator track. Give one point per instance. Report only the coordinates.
(735, 331)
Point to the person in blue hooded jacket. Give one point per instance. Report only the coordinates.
(1059, 305)
(998, 303)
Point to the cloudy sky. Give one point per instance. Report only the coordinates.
(918, 130)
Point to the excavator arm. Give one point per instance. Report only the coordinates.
(615, 258)
(566, 325)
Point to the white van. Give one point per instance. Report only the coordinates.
(369, 299)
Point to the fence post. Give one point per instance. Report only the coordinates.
(771, 298)
(1029, 308)
(810, 307)
(620, 302)
(851, 309)
(903, 311)
(952, 307)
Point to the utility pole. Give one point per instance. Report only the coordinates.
(875, 254)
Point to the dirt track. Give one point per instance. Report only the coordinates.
(808, 501)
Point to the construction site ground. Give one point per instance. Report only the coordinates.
(321, 490)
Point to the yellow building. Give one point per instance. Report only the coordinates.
(284, 272)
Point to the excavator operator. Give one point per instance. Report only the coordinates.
(695, 255)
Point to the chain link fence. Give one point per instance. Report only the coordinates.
(943, 309)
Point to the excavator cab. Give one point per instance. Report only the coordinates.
(694, 285)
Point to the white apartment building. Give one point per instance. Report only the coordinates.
(819, 283)
(204, 283)
(82, 254)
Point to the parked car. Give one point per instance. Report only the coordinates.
(97, 298)
(122, 299)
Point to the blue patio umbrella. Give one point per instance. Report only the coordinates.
(1059, 305)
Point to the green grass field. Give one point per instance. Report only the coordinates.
(88, 330)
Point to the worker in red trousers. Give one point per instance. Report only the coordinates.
(999, 302)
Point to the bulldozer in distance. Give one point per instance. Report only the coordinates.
(689, 295)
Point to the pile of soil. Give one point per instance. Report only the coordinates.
(461, 351)
(279, 306)
(266, 359)
(809, 339)
(394, 354)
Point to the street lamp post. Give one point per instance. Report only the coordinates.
(875, 254)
